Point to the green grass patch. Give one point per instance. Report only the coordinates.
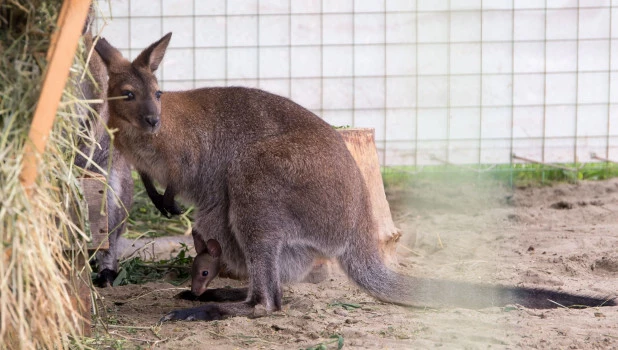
(507, 174)
(176, 270)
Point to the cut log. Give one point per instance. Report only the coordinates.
(362, 146)
(94, 187)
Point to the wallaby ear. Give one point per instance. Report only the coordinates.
(108, 53)
(198, 242)
(214, 248)
(152, 56)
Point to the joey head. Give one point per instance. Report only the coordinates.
(205, 267)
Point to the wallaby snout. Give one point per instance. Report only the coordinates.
(153, 122)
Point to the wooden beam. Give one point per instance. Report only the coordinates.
(60, 55)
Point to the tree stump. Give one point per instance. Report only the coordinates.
(361, 144)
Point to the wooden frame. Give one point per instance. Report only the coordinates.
(60, 55)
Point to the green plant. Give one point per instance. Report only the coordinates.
(509, 174)
(176, 270)
(338, 339)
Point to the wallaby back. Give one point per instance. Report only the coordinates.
(272, 183)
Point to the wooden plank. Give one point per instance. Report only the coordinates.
(79, 284)
(61, 54)
(94, 191)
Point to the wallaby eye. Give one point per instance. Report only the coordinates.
(158, 94)
(129, 95)
(204, 273)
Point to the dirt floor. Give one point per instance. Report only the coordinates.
(563, 237)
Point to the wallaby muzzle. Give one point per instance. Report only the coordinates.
(152, 123)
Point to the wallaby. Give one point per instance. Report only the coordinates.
(97, 157)
(275, 185)
(102, 157)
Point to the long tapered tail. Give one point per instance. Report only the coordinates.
(367, 269)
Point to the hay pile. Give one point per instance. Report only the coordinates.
(35, 306)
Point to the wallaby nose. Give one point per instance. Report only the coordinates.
(152, 120)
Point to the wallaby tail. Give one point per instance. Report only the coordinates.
(366, 268)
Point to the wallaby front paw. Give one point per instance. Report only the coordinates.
(167, 210)
(105, 278)
(158, 202)
(173, 209)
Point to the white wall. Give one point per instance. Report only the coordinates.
(458, 81)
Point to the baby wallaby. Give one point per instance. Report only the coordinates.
(206, 266)
(275, 186)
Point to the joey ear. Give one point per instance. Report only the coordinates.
(214, 248)
(152, 56)
(108, 53)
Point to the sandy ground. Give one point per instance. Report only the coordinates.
(563, 237)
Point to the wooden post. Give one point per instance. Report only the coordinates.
(60, 56)
(361, 144)
(93, 186)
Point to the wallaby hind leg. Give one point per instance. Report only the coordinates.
(119, 197)
(264, 288)
(294, 264)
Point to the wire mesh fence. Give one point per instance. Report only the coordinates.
(442, 82)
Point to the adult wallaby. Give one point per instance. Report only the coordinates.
(275, 185)
(102, 158)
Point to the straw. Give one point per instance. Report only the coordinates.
(35, 294)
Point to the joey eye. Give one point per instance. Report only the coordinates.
(128, 94)
(158, 94)
(204, 273)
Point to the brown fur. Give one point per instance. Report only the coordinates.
(274, 184)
